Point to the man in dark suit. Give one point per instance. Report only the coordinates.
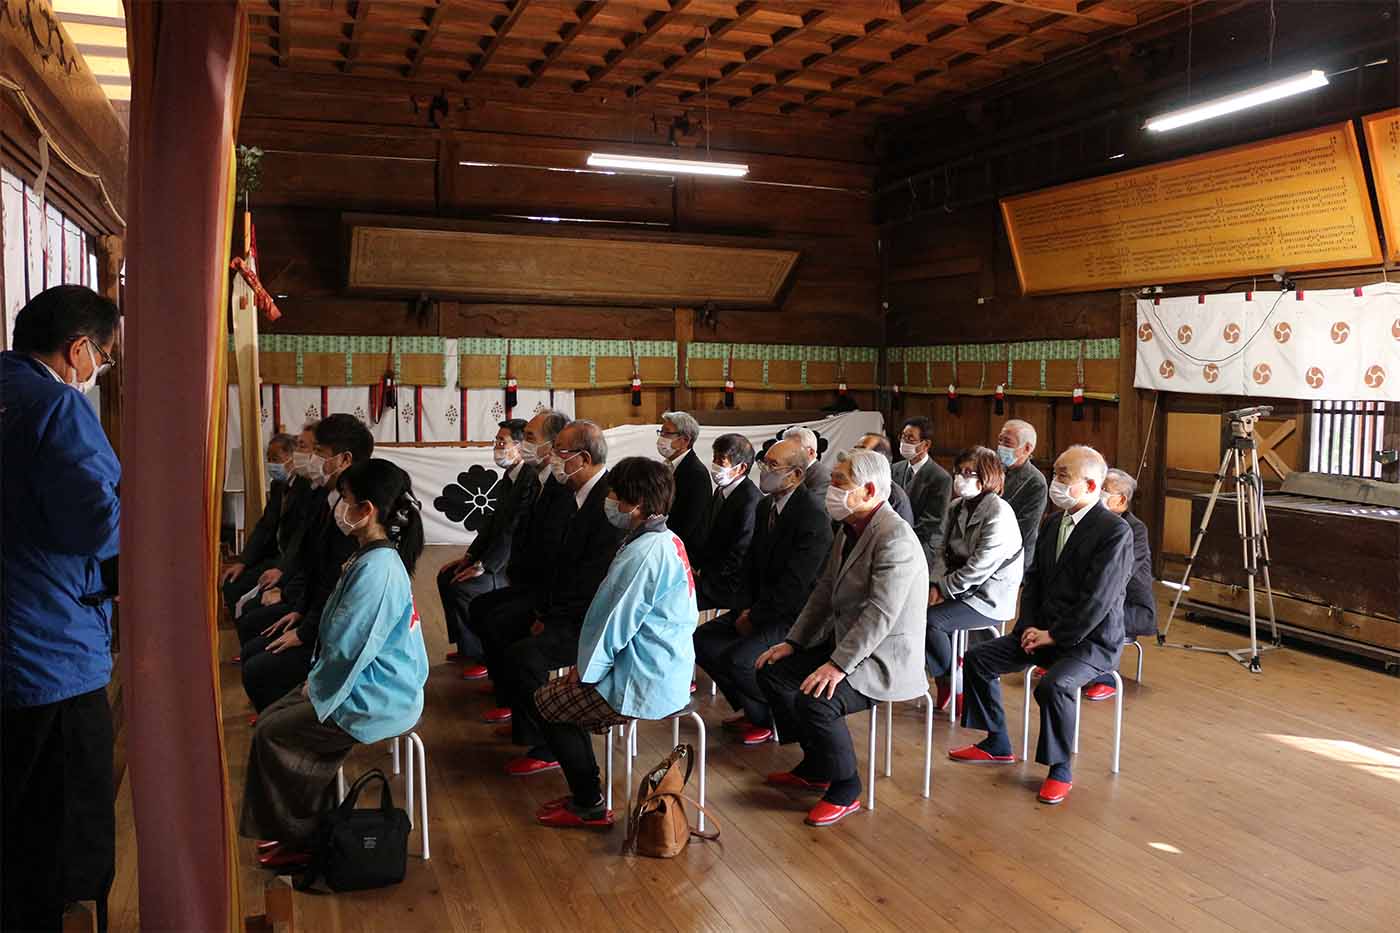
(1139, 602)
(929, 486)
(1024, 489)
(675, 442)
(260, 550)
(482, 569)
(719, 564)
(899, 499)
(1071, 623)
(551, 640)
(792, 536)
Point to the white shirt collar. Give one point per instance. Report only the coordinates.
(514, 472)
(726, 491)
(542, 472)
(677, 462)
(581, 496)
(914, 465)
(781, 499)
(56, 376)
(1076, 517)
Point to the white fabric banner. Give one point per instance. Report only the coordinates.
(456, 484)
(1337, 344)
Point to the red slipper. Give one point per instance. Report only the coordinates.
(267, 845)
(1053, 792)
(1096, 692)
(1039, 671)
(236, 659)
(797, 782)
(253, 720)
(757, 735)
(564, 818)
(499, 714)
(284, 858)
(475, 672)
(525, 765)
(825, 814)
(972, 755)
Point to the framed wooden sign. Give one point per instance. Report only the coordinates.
(1294, 203)
(1383, 147)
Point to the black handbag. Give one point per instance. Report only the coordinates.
(356, 850)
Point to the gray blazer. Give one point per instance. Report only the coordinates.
(981, 562)
(873, 606)
(929, 491)
(817, 478)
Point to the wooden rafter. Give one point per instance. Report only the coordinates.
(432, 23)
(355, 35)
(873, 29)
(1085, 9)
(755, 54)
(584, 14)
(651, 26)
(717, 30)
(493, 44)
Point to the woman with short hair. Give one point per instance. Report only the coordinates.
(635, 653)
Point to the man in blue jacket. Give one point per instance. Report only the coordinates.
(59, 477)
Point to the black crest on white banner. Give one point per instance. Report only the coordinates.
(471, 500)
(822, 443)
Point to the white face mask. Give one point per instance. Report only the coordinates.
(836, 503)
(316, 469)
(967, 487)
(506, 457)
(1061, 496)
(557, 466)
(86, 384)
(908, 451)
(1007, 455)
(301, 462)
(771, 481)
(615, 516)
(529, 452)
(723, 476)
(666, 447)
(342, 521)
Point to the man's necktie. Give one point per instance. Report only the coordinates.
(772, 517)
(1066, 526)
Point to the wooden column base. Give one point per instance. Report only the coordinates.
(280, 914)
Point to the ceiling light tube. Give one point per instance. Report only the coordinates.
(1232, 103)
(667, 166)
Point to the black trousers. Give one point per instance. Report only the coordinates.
(949, 616)
(254, 619)
(1055, 693)
(238, 587)
(268, 677)
(816, 723)
(498, 620)
(60, 822)
(524, 669)
(457, 599)
(728, 658)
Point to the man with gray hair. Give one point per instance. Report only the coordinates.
(675, 442)
(1071, 623)
(817, 476)
(1139, 602)
(1025, 485)
(868, 605)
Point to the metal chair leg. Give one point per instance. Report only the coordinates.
(1026, 717)
(889, 739)
(414, 743)
(928, 741)
(1078, 709)
(1117, 720)
(955, 675)
(408, 781)
(628, 755)
(874, 728)
(608, 768)
(1138, 645)
(675, 731)
(394, 752)
(700, 730)
(340, 785)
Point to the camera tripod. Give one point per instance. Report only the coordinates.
(1242, 456)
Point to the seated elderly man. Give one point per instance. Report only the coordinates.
(262, 547)
(858, 641)
(816, 475)
(899, 499)
(675, 442)
(791, 538)
(718, 565)
(1025, 484)
(1071, 623)
(1139, 602)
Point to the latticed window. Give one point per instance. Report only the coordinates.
(1345, 436)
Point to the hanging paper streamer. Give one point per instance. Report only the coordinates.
(953, 404)
(897, 398)
(1000, 399)
(512, 394)
(1077, 399)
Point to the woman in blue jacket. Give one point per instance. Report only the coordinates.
(636, 652)
(366, 683)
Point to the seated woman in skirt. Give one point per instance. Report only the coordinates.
(636, 652)
(974, 581)
(366, 682)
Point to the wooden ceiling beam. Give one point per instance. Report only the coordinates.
(716, 31)
(584, 14)
(493, 45)
(651, 26)
(432, 22)
(1085, 9)
(813, 19)
(355, 35)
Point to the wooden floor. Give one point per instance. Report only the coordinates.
(1244, 803)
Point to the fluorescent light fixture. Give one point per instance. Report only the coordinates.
(667, 166)
(1232, 103)
(1117, 156)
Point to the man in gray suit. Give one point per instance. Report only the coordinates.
(858, 641)
(817, 476)
(929, 486)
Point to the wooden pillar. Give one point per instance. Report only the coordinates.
(109, 284)
(685, 333)
(245, 348)
(1141, 429)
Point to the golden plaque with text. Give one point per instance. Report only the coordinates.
(1292, 204)
(1383, 146)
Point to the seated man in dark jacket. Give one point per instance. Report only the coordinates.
(279, 659)
(792, 536)
(676, 444)
(261, 549)
(1071, 623)
(482, 569)
(1139, 602)
(718, 564)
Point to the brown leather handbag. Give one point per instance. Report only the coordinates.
(658, 826)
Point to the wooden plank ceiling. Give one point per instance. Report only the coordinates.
(777, 57)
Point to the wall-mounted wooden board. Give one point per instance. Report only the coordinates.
(1294, 203)
(1383, 147)
(573, 269)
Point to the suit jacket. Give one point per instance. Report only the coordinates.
(782, 564)
(1140, 603)
(872, 605)
(1025, 491)
(899, 501)
(1079, 598)
(262, 540)
(981, 563)
(817, 478)
(720, 561)
(535, 543)
(692, 502)
(324, 551)
(492, 545)
(929, 491)
(585, 551)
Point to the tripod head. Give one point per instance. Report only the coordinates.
(1243, 420)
